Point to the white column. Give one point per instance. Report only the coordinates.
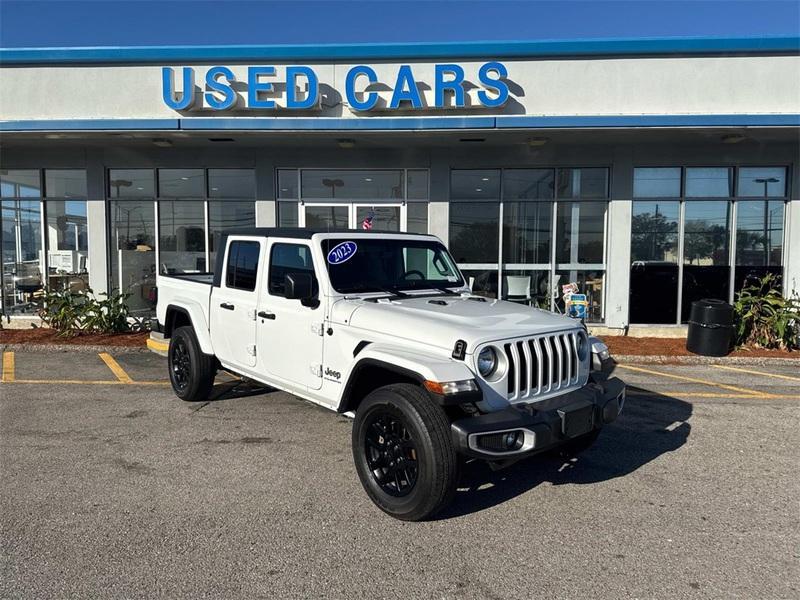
(792, 236)
(618, 234)
(265, 190)
(96, 223)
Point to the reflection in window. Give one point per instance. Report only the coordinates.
(709, 182)
(378, 218)
(654, 231)
(417, 217)
(583, 183)
(67, 245)
(706, 233)
(181, 183)
(133, 256)
(418, 184)
(16, 183)
(287, 214)
(232, 183)
(580, 232)
(658, 182)
(528, 184)
(287, 183)
(762, 182)
(182, 236)
(65, 183)
(482, 282)
(474, 235)
(351, 184)
(131, 183)
(527, 230)
(759, 232)
(327, 217)
(224, 215)
(475, 184)
(23, 280)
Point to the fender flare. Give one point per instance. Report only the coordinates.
(410, 365)
(197, 321)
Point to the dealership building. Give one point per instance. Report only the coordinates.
(651, 173)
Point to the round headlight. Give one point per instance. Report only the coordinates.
(487, 361)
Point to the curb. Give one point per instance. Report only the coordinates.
(72, 348)
(706, 360)
(159, 347)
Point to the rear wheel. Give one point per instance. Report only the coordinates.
(403, 452)
(190, 371)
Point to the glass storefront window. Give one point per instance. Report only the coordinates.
(327, 217)
(709, 182)
(528, 184)
(475, 184)
(131, 183)
(67, 245)
(417, 184)
(761, 182)
(23, 279)
(527, 232)
(232, 183)
(590, 283)
(657, 182)
(583, 183)
(417, 217)
(580, 232)
(287, 214)
(759, 240)
(381, 218)
(352, 184)
(181, 183)
(182, 247)
(482, 282)
(19, 183)
(287, 183)
(518, 284)
(133, 253)
(474, 232)
(653, 290)
(65, 183)
(224, 215)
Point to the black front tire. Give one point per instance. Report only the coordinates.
(191, 372)
(401, 425)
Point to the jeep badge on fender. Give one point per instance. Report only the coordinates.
(432, 373)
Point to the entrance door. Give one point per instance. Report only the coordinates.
(380, 217)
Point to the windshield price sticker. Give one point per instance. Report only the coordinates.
(342, 253)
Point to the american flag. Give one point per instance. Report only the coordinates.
(367, 222)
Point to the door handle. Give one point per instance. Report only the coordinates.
(266, 315)
(227, 306)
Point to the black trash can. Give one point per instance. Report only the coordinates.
(710, 328)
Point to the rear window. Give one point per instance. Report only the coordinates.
(242, 265)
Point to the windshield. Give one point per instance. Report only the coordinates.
(389, 265)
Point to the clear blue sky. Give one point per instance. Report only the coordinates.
(37, 23)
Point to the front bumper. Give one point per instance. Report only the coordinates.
(541, 425)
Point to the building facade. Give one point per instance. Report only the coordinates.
(650, 173)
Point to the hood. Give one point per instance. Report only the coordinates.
(442, 320)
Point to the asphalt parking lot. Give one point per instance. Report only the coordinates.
(112, 487)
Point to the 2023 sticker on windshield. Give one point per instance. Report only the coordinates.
(342, 253)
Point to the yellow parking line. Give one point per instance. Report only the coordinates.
(8, 367)
(776, 375)
(80, 382)
(112, 364)
(751, 393)
(706, 395)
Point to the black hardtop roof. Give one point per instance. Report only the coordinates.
(306, 233)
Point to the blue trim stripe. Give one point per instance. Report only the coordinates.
(404, 51)
(404, 123)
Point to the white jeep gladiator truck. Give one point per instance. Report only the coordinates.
(382, 326)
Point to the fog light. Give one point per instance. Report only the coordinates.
(511, 439)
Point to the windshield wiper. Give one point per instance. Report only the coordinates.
(377, 288)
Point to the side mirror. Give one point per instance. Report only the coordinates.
(299, 286)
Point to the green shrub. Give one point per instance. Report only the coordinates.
(763, 318)
(72, 313)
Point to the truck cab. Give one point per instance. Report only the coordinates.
(383, 327)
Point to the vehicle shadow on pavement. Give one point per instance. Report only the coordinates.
(230, 390)
(650, 425)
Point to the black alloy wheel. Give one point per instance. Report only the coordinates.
(181, 364)
(191, 372)
(391, 453)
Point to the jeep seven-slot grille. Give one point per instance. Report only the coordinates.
(542, 364)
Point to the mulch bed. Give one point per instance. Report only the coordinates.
(644, 346)
(48, 337)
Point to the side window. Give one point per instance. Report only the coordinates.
(242, 267)
(287, 258)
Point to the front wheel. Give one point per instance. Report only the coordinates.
(191, 372)
(403, 452)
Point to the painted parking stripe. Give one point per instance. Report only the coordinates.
(752, 372)
(84, 382)
(8, 367)
(733, 388)
(115, 367)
